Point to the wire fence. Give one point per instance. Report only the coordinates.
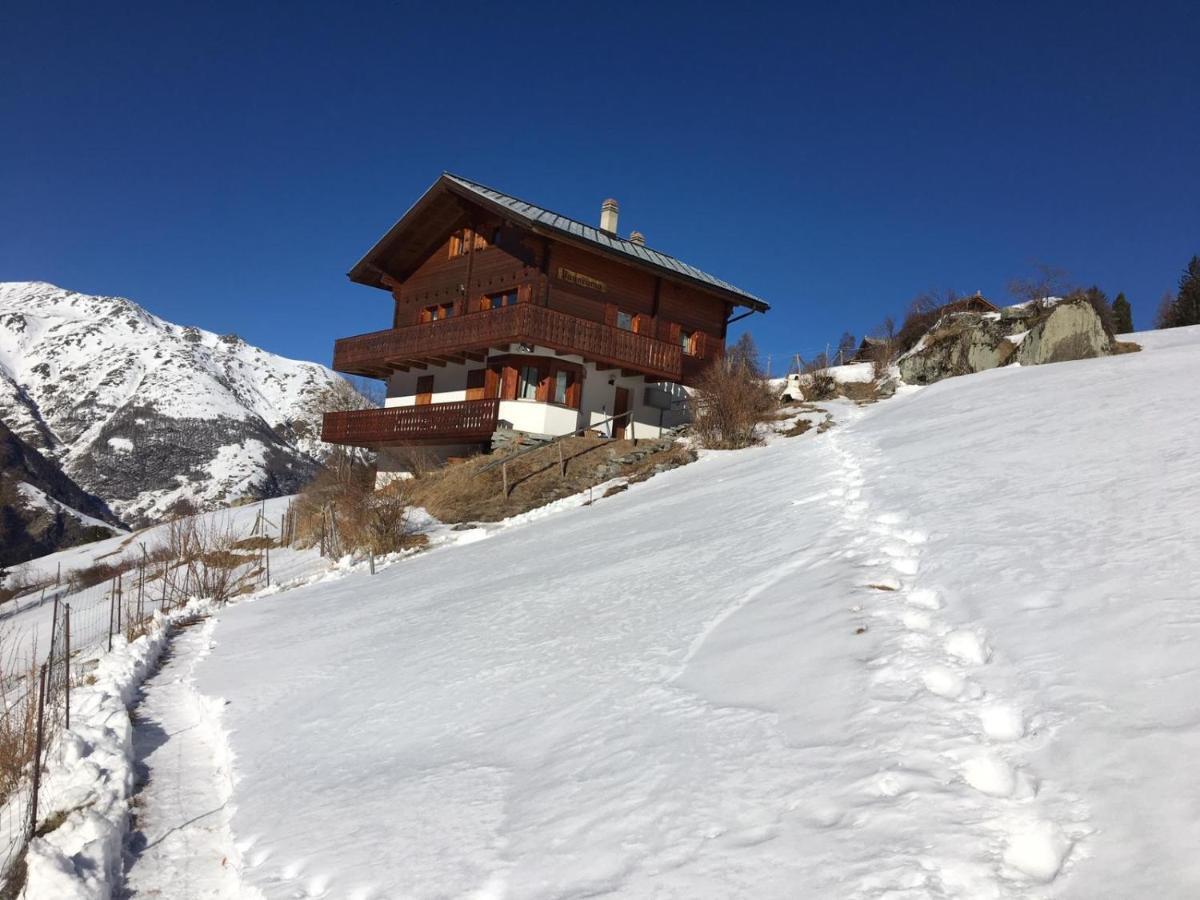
(84, 624)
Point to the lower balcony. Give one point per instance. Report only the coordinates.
(460, 422)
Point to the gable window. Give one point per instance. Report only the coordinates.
(625, 321)
(528, 384)
(462, 241)
(504, 298)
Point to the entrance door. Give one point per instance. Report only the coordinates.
(620, 407)
(424, 390)
(475, 384)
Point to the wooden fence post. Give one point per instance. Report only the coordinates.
(562, 465)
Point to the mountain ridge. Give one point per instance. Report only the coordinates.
(147, 414)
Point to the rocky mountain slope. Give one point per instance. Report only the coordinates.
(144, 413)
(41, 509)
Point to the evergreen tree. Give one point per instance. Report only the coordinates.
(1187, 303)
(1122, 315)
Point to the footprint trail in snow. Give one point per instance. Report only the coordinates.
(955, 753)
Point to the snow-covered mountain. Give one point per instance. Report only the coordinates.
(144, 413)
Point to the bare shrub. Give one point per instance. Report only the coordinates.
(18, 719)
(923, 313)
(96, 573)
(730, 399)
(819, 385)
(1046, 281)
(341, 510)
(419, 461)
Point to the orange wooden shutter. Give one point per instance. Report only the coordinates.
(508, 390)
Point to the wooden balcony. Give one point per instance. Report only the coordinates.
(462, 422)
(379, 353)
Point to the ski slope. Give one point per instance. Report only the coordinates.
(946, 649)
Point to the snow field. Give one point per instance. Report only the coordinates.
(943, 650)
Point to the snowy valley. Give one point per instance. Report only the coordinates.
(143, 413)
(944, 649)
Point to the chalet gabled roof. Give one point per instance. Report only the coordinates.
(552, 224)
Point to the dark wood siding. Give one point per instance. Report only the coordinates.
(512, 262)
(659, 304)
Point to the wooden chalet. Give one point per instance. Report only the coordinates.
(508, 316)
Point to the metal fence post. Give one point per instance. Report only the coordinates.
(371, 561)
(67, 658)
(112, 612)
(37, 750)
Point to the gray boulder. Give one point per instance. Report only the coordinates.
(1030, 334)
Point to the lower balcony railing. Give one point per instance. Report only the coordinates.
(376, 353)
(464, 421)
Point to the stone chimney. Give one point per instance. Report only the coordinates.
(608, 216)
(636, 237)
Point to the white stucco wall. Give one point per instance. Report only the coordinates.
(596, 397)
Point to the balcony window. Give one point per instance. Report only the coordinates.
(562, 381)
(687, 341)
(625, 321)
(527, 387)
(504, 298)
(437, 311)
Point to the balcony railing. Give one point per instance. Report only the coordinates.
(380, 351)
(464, 421)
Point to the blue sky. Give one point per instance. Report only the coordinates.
(225, 164)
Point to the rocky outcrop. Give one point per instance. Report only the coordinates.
(1030, 335)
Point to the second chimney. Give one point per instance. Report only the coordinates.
(608, 216)
(636, 237)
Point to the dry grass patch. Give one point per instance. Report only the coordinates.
(466, 493)
(800, 427)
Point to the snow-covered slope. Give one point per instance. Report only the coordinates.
(945, 649)
(142, 412)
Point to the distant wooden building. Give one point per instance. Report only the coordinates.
(507, 315)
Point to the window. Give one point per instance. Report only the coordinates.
(527, 388)
(438, 311)
(687, 340)
(562, 381)
(424, 390)
(461, 242)
(496, 301)
(625, 321)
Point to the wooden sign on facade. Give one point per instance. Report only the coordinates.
(572, 277)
